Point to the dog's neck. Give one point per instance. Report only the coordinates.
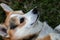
(45, 30)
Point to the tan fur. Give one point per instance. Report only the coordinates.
(6, 38)
(15, 20)
(10, 39)
(7, 20)
(45, 38)
(7, 13)
(14, 12)
(17, 12)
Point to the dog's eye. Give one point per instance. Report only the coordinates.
(21, 20)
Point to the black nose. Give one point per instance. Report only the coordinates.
(4, 30)
(22, 20)
(35, 11)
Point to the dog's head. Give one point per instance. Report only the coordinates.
(17, 20)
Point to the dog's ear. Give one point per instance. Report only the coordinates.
(3, 30)
(6, 8)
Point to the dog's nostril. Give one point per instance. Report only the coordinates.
(4, 30)
(35, 11)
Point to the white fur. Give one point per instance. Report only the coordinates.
(6, 7)
(28, 31)
(45, 30)
(57, 29)
(14, 15)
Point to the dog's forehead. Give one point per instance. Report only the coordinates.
(15, 13)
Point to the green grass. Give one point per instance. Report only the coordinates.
(49, 10)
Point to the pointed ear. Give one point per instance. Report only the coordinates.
(6, 8)
(3, 30)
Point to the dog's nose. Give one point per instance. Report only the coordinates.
(4, 30)
(35, 11)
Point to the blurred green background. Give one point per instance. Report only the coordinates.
(49, 10)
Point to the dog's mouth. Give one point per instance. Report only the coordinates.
(32, 16)
(35, 20)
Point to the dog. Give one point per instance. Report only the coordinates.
(20, 26)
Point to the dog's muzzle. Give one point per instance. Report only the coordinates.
(35, 11)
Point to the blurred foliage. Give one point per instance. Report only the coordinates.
(49, 10)
(1, 38)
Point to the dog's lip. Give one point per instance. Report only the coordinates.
(35, 20)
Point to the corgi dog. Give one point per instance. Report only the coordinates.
(20, 26)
